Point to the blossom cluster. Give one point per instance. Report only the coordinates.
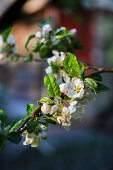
(41, 35)
(35, 138)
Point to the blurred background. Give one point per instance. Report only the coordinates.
(89, 143)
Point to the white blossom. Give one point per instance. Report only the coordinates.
(62, 89)
(66, 117)
(75, 88)
(38, 34)
(48, 70)
(54, 59)
(46, 28)
(54, 109)
(42, 40)
(28, 139)
(72, 106)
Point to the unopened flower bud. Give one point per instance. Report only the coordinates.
(74, 30)
(62, 28)
(46, 108)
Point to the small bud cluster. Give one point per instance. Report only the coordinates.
(6, 48)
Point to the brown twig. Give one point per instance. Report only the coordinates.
(35, 112)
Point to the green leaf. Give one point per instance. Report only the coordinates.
(7, 128)
(2, 141)
(15, 58)
(16, 125)
(29, 58)
(45, 51)
(53, 88)
(62, 36)
(29, 38)
(91, 84)
(31, 125)
(102, 88)
(49, 19)
(64, 32)
(29, 110)
(36, 47)
(82, 69)
(46, 100)
(55, 67)
(6, 34)
(71, 65)
(50, 119)
(14, 137)
(96, 76)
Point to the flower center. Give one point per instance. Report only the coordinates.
(77, 89)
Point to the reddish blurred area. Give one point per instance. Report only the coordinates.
(83, 32)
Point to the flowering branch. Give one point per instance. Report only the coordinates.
(67, 86)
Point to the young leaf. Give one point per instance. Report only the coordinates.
(31, 125)
(46, 100)
(2, 141)
(7, 128)
(50, 119)
(55, 67)
(29, 110)
(6, 34)
(49, 19)
(91, 84)
(102, 88)
(57, 37)
(71, 65)
(36, 47)
(29, 38)
(16, 125)
(14, 137)
(45, 51)
(53, 88)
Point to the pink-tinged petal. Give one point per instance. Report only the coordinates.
(74, 30)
